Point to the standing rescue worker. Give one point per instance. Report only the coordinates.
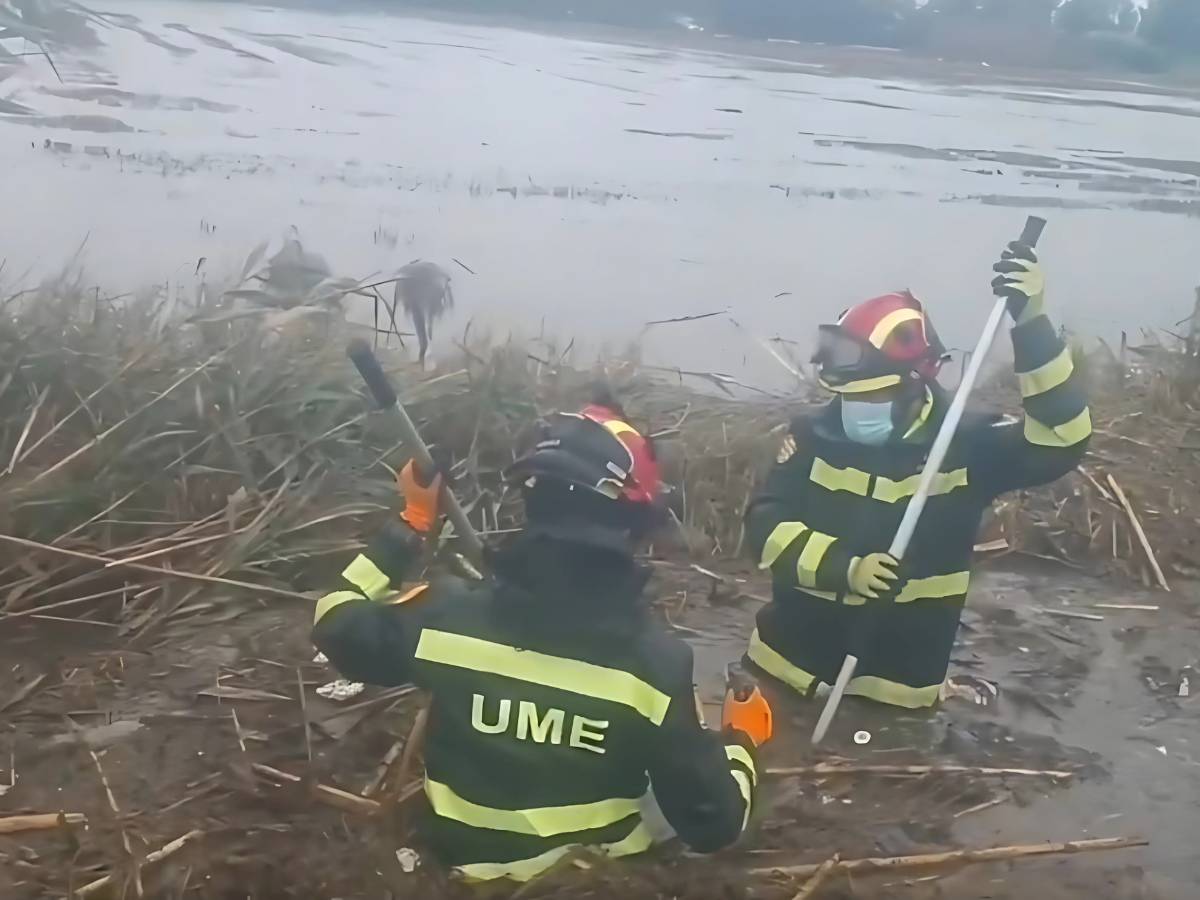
(844, 476)
(557, 703)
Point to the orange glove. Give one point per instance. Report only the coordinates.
(421, 494)
(747, 710)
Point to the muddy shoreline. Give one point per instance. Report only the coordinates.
(1097, 698)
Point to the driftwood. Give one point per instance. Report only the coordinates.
(330, 796)
(39, 822)
(1141, 534)
(912, 771)
(954, 857)
(100, 886)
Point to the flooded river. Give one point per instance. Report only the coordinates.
(591, 186)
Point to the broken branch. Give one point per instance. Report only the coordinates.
(330, 796)
(101, 885)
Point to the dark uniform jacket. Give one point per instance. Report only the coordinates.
(828, 500)
(556, 705)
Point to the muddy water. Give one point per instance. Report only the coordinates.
(1098, 695)
(592, 185)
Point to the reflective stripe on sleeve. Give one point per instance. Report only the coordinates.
(367, 577)
(780, 539)
(739, 754)
(834, 479)
(1067, 434)
(638, 841)
(893, 692)
(546, 821)
(1046, 377)
(333, 601)
(773, 663)
(934, 587)
(576, 676)
(811, 556)
(893, 491)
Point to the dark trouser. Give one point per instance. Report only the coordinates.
(803, 639)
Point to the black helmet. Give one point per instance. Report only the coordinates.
(581, 481)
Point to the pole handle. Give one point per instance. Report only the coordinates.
(1032, 233)
(372, 373)
(381, 389)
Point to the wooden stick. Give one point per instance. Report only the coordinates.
(1138, 606)
(1070, 614)
(381, 771)
(818, 878)
(1094, 483)
(330, 796)
(101, 885)
(922, 860)
(839, 769)
(1137, 527)
(39, 822)
(395, 783)
(116, 811)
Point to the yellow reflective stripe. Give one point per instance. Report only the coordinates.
(834, 479)
(546, 821)
(332, 601)
(922, 417)
(780, 539)
(943, 483)
(638, 841)
(811, 556)
(367, 577)
(888, 324)
(740, 754)
(1066, 435)
(771, 662)
(935, 586)
(743, 783)
(861, 387)
(1051, 375)
(572, 675)
(617, 428)
(893, 692)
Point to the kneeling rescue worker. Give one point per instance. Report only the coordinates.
(831, 505)
(557, 702)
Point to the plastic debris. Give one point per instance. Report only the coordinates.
(340, 690)
(321, 659)
(862, 737)
(408, 859)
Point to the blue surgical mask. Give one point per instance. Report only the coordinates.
(867, 423)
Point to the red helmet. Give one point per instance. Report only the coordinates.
(877, 344)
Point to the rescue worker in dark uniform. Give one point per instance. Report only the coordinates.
(830, 507)
(557, 703)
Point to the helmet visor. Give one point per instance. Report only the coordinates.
(838, 351)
